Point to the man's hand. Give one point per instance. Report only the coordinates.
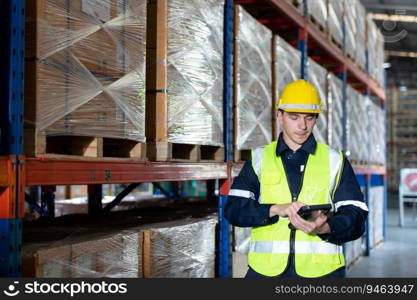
(317, 225)
(284, 210)
(290, 210)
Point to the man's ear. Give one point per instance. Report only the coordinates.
(280, 114)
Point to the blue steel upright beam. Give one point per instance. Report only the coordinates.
(13, 19)
(343, 77)
(228, 80)
(364, 181)
(225, 255)
(369, 223)
(95, 197)
(12, 23)
(385, 178)
(48, 201)
(303, 46)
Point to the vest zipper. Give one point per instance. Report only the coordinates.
(291, 257)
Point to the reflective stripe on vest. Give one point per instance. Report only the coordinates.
(360, 204)
(270, 244)
(242, 193)
(257, 157)
(300, 247)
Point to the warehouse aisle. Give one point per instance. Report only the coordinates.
(396, 257)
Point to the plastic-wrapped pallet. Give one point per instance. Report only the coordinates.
(360, 36)
(253, 82)
(287, 64)
(335, 19)
(94, 255)
(317, 75)
(353, 251)
(356, 126)
(287, 67)
(351, 27)
(85, 69)
(376, 56)
(317, 10)
(335, 112)
(377, 134)
(195, 72)
(371, 45)
(380, 58)
(242, 239)
(180, 249)
(376, 215)
(366, 123)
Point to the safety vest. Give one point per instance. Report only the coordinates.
(271, 245)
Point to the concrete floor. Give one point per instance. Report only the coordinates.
(397, 256)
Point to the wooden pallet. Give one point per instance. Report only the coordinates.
(377, 244)
(166, 151)
(332, 39)
(85, 147)
(318, 25)
(241, 155)
(359, 163)
(376, 165)
(351, 58)
(297, 5)
(353, 262)
(360, 67)
(157, 133)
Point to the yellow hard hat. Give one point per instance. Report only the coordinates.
(300, 96)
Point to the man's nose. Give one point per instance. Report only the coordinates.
(302, 124)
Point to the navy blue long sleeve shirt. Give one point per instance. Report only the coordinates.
(348, 222)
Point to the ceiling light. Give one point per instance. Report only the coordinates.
(401, 54)
(394, 18)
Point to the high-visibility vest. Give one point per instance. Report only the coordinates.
(270, 245)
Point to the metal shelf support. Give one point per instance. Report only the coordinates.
(225, 241)
(224, 253)
(303, 46)
(95, 197)
(48, 201)
(12, 34)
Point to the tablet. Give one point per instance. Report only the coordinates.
(306, 211)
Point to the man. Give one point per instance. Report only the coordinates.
(282, 177)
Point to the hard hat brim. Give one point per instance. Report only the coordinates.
(305, 111)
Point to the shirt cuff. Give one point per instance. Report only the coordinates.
(265, 213)
(326, 236)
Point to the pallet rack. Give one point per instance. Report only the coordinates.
(17, 171)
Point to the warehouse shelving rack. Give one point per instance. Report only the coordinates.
(17, 171)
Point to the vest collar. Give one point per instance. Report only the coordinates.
(309, 145)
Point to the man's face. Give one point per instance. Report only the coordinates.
(296, 127)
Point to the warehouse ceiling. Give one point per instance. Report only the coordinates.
(397, 20)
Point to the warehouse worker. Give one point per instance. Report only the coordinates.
(283, 176)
